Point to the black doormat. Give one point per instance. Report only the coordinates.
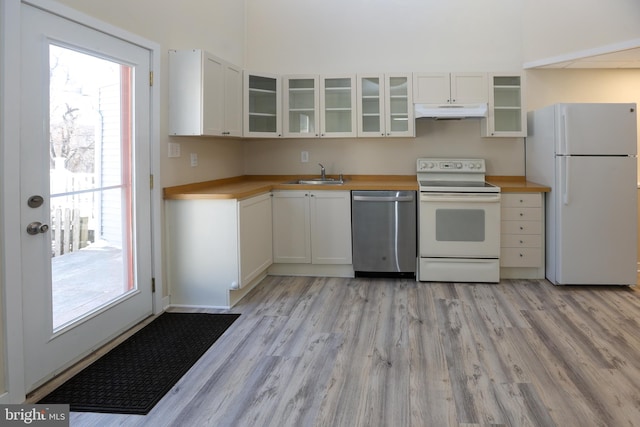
(133, 377)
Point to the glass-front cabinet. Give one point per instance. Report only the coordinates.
(301, 106)
(385, 106)
(507, 116)
(262, 105)
(371, 102)
(399, 105)
(338, 106)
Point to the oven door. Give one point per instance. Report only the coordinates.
(459, 225)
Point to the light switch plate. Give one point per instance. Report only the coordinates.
(174, 149)
(194, 159)
(304, 156)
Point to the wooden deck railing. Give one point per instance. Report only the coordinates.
(69, 231)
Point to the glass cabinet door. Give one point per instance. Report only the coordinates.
(262, 105)
(338, 102)
(399, 118)
(506, 111)
(371, 103)
(301, 106)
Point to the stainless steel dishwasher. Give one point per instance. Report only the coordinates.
(383, 227)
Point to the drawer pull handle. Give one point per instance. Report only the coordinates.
(521, 228)
(521, 255)
(521, 214)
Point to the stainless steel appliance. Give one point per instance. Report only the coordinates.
(384, 232)
(586, 153)
(459, 222)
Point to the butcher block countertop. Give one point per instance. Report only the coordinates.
(516, 184)
(243, 187)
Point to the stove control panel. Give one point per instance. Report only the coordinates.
(451, 165)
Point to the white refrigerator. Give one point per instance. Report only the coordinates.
(586, 153)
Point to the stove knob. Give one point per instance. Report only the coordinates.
(458, 165)
(472, 165)
(478, 165)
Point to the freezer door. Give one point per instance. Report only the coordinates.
(595, 205)
(596, 129)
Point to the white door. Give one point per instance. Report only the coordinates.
(596, 214)
(85, 196)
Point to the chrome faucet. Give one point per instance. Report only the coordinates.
(323, 174)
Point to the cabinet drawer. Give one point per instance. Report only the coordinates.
(521, 241)
(512, 200)
(522, 257)
(525, 214)
(521, 227)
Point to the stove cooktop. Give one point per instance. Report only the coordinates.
(457, 187)
(453, 176)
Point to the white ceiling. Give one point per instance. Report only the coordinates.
(628, 58)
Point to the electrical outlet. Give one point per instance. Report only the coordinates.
(194, 159)
(304, 156)
(174, 149)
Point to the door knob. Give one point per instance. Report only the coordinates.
(36, 228)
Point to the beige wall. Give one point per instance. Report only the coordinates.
(386, 156)
(552, 27)
(324, 36)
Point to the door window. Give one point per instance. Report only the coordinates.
(90, 182)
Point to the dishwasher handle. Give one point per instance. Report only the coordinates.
(383, 198)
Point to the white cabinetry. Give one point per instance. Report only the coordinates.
(507, 115)
(218, 249)
(301, 106)
(262, 105)
(205, 95)
(522, 244)
(338, 106)
(385, 105)
(320, 106)
(449, 88)
(255, 237)
(312, 227)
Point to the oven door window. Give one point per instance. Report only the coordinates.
(457, 226)
(460, 225)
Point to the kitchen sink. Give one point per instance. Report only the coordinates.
(318, 181)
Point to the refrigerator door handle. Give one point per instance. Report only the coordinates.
(565, 179)
(565, 134)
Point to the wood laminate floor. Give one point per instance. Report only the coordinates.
(382, 352)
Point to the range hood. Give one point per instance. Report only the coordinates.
(451, 111)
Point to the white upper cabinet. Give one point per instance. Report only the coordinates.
(385, 105)
(507, 115)
(262, 105)
(205, 94)
(338, 106)
(301, 97)
(450, 88)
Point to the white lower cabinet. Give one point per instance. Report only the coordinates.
(312, 227)
(522, 230)
(218, 249)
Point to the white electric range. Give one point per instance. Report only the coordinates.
(458, 222)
